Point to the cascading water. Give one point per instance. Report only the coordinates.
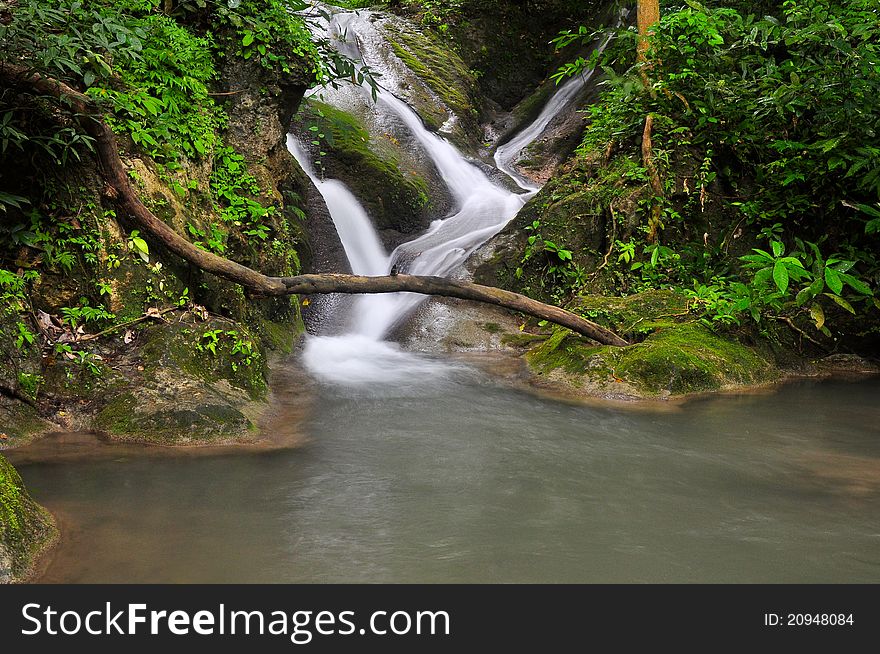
(482, 209)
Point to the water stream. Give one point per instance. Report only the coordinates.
(482, 208)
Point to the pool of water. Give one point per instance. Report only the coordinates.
(453, 479)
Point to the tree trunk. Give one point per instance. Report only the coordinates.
(648, 16)
(90, 117)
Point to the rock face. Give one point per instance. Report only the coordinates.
(196, 373)
(26, 528)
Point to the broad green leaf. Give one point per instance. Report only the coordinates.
(832, 278)
(763, 276)
(856, 284)
(803, 297)
(777, 248)
(780, 276)
(841, 266)
(248, 38)
(871, 211)
(843, 303)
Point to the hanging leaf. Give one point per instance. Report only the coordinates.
(856, 284)
(780, 276)
(832, 278)
(841, 302)
(818, 315)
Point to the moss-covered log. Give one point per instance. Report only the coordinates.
(91, 118)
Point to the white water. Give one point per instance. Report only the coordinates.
(482, 209)
(566, 96)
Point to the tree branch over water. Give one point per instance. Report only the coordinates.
(90, 117)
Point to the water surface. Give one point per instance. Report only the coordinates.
(452, 479)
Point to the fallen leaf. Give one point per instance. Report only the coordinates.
(44, 321)
(128, 337)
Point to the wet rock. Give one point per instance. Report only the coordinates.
(27, 530)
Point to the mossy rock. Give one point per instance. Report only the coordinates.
(442, 70)
(633, 316)
(21, 423)
(188, 415)
(26, 528)
(369, 167)
(678, 359)
(210, 351)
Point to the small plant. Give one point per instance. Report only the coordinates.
(559, 273)
(139, 246)
(232, 187)
(86, 360)
(29, 383)
(242, 350)
(84, 313)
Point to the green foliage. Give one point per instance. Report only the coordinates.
(783, 98)
(139, 246)
(13, 299)
(241, 349)
(559, 273)
(70, 40)
(232, 187)
(271, 33)
(164, 104)
(793, 283)
(84, 313)
(781, 112)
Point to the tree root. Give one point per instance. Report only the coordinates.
(654, 224)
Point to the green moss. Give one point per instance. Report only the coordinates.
(26, 528)
(119, 417)
(127, 418)
(370, 167)
(676, 359)
(688, 359)
(187, 348)
(439, 67)
(633, 316)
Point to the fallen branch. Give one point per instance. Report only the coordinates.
(90, 117)
(788, 321)
(332, 283)
(16, 394)
(156, 315)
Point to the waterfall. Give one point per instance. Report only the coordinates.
(566, 96)
(482, 209)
